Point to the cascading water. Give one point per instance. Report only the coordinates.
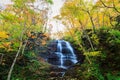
(63, 56)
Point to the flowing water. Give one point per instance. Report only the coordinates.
(64, 56)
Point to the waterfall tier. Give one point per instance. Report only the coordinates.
(62, 54)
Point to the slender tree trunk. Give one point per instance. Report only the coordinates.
(91, 19)
(11, 69)
(98, 20)
(14, 61)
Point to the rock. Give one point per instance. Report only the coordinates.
(57, 74)
(56, 71)
(64, 44)
(54, 59)
(66, 50)
(68, 63)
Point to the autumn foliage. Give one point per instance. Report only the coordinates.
(93, 29)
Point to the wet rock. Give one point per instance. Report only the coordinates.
(54, 59)
(52, 47)
(63, 44)
(66, 50)
(68, 63)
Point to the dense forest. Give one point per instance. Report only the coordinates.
(92, 28)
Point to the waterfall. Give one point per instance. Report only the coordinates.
(63, 56)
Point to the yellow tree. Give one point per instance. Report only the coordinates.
(108, 10)
(16, 21)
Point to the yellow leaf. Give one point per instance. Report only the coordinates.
(1, 46)
(6, 44)
(3, 35)
(94, 53)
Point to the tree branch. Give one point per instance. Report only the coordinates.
(1, 58)
(105, 4)
(114, 7)
(91, 19)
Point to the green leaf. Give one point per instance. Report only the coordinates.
(94, 53)
(50, 1)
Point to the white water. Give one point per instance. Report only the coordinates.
(64, 55)
(72, 52)
(59, 46)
